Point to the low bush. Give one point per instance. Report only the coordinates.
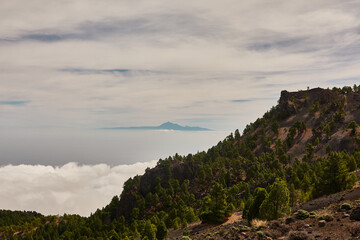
(302, 214)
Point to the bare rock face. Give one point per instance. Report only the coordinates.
(355, 214)
(285, 105)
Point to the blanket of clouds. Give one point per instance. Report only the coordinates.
(71, 188)
(86, 64)
(35, 173)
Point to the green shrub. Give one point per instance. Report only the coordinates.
(186, 232)
(312, 215)
(328, 218)
(260, 234)
(346, 206)
(243, 228)
(302, 214)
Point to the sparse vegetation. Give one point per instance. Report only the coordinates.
(353, 126)
(302, 214)
(258, 223)
(346, 206)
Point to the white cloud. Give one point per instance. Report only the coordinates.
(70, 188)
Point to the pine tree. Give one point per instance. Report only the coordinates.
(335, 173)
(260, 195)
(149, 231)
(162, 231)
(215, 205)
(276, 203)
(293, 195)
(275, 127)
(353, 126)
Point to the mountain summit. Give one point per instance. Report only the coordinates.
(164, 126)
(174, 126)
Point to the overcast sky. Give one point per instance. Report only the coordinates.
(77, 65)
(217, 64)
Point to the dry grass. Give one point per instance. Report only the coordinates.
(328, 211)
(259, 223)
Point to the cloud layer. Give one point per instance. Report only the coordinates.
(70, 188)
(94, 64)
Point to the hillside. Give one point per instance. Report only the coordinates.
(304, 148)
(289, 131)
(325, 114)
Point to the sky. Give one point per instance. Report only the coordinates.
(91, 64)
(69, 66)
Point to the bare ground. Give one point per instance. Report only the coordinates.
(340, 227)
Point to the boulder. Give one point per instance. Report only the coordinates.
(289, 220)
(322, 223)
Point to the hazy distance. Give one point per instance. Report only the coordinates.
(113, 147)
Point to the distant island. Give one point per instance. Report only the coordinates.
(164, 126)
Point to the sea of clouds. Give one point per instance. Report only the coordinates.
(71, 188)
(61, 171)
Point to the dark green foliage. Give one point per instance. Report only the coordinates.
(275, 127)
(260, 234)
(339, 116)
(333, 174)
(306, 182)
(276, 204)
(237, 135)
(293, 195)
(353, 126)
(316, 142)
(215, 206)
(298, 128)
(309, 151)
(315, 107)
(302, 214)
(149, 231)
(18, 217)
(260, 195)
(346, 206)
